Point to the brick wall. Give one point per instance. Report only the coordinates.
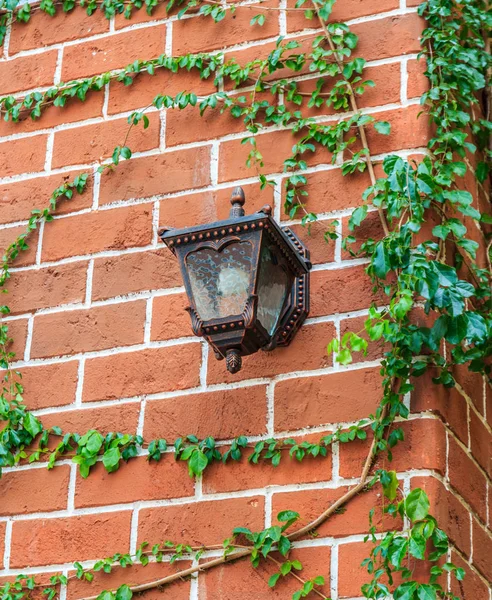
(102, 340)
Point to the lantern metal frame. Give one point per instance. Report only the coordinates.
(235, 336)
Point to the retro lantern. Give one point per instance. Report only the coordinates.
(247, 281)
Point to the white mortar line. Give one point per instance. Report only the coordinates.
(88, 284)
(134, 530)
(204, 365)
(80, 385)
(334, 573)
(39, 248)
(270, 406)
(58, 68)
(30, 327)
(71, 489)
(7, 543)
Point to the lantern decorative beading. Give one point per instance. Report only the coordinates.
(247, 281)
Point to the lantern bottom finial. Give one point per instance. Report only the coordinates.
(234, 361)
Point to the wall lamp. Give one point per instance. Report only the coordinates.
(247, 281)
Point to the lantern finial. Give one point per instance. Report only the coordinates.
(237, 202)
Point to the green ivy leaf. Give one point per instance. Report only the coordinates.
(417, 505)
(426, 592)
(124, 593)
(382, 127)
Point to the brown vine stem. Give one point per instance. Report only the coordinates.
(355, 108)
(293, 536)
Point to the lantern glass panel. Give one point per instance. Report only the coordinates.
(221, 281)
(274, 284)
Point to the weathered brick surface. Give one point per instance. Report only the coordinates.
(27, 72)
(78, 538)
(108, 53)
(135, 272)
(91, 143)
(48, 287)
(222, 414)
(39, 395)
(44, 30)
(95, 232)
(154, 175)
(201, 522)
(334, 398)
(88, 330)
(144, 372)
(18, 199)
(34, 491)
(98, 312)
(23, 155)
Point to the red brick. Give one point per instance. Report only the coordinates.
(206, 207)
(185, 126)
(23, 155)
(17, 331)
(112, 52)
(28, 72)
(352, 519)
(169, 317)
(20, 198)
(25, 257)
(351, 576)
(39, 395)
(371, 228)
(472, 586)
(334, 398)
(202, 33)
(481, 443)
(307, 352)
(48, 287)
(43, 30)
(375, 350)
(242, 475)
(36, 490)
(450, 513)
(445, 402)
(223, 414)
(3, 527)
(241, 581)
(143, 177)
(341, 291)
(275, 148)
(146, 87)
(201, 522)
(467, 479)
(149, 481)
(410, 454)
(121, 418)
(386, 90)
(342, 11)
(99, 328)
(73, 111)
(77, 589)
(472, 383)
(77, 538)
(113, 229)
(408, 131)
(387, 37)
(321, 250)
(91, 143)
(330, 190)
(144, 372)
(482, 550)
(135, 272)
(418, 83)
(159, 12)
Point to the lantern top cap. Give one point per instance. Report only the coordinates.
(237, 202)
